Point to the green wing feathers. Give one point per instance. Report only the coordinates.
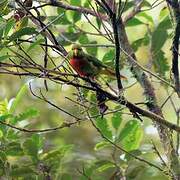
(110, 72)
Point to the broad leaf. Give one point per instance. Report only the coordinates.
(32, 146)
(5, 57)
(28, 113)
(92, 50)
(134, 22)
(18, 98)
(83, 39)
(105, 166)
(23, 171)
(22, 32)
(103, 126)
(109, 56)
(14, 149)
(160, 63)
(101, 145)
(131, 135)
(116, 120)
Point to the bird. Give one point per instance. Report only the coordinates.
(88, 66)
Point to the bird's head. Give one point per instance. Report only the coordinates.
(77, 50)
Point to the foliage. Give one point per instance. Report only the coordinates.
(33, 50)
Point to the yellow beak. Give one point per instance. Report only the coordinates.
(75, 52)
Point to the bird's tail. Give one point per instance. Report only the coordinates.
(111, 72)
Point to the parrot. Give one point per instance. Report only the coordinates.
(86, 65)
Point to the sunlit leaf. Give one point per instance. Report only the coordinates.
(5, 57)
(103, 165)
(24, 171)
(66, 177)
(32, 146)
(109, 56)
(3, 156)
(116, 120)
(14, 149)
(104, 127)
(135, 152)
(147, 17)
(57, 154)
(74, 16)
(3, 107)
(106, 166)
(29, 113)
(101, 145)
(9, 26)
(92, 50)
(140, 42)
(83, 39)
(160, 63)
(63, 20)
(22, 32)
(18, 98)
(160, 35)
(35, 44)
(1, 134)
(134, 22)
(131, 135)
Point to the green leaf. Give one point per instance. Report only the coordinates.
(158, 39)
(105, 166)
(101, 145)
(116, 120)
(127, 5)
(99, 22)
(3, 157)
(35, 44)
(160, 63)
(140, 42)
(103, 126)
(83, 39)
(3, 107)
(93, 110)
(66, 38)
(131, 135)
(9, 26)
(163, 13)
(4, 117)
(146, 16)
(14, 149)
(18, 98)
(165, 24)
(92, 50)
(63, 20)
(134, 22)
(3, 58)
(66, 177)
(22, 32)
(135, 152)
(109, 56)
(32, 146)
(23, 171)
(160, 35)
(56, 154)
(75, 2)
(72, 15)
(3, 7)
(29, 113)
(1, 134)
